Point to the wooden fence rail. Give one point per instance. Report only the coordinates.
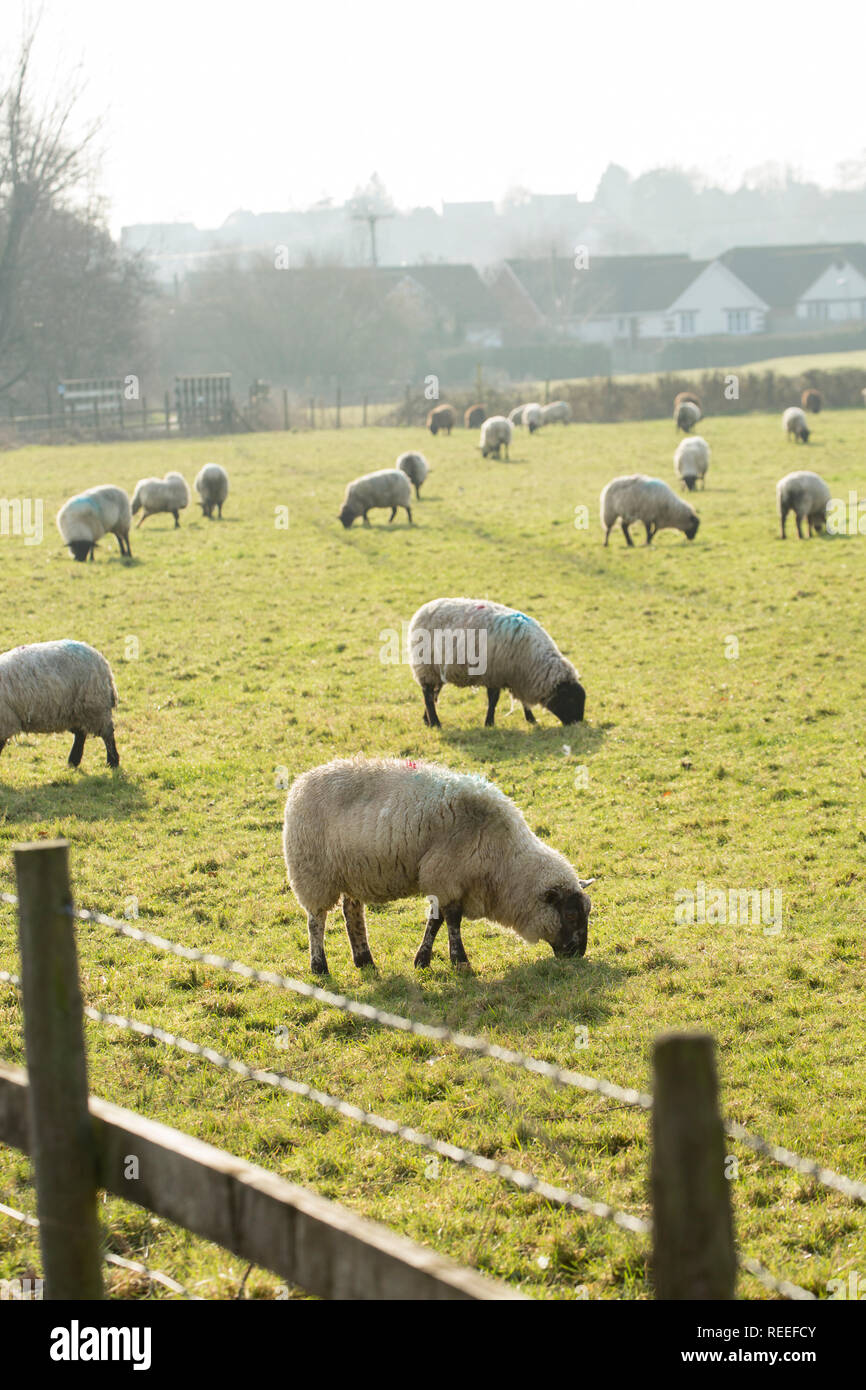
(80, 1144)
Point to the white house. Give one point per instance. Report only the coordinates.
(716, 302)
(838, 295)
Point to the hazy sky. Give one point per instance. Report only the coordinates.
(213, 105)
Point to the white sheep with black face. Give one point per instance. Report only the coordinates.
(795, 425)
(55, 687)
(473, 642)
(533, 417)
(416, 468)
(154, 495)
(374, 830)
(389, 487)
(212, 485)
(691, 461)
(495, 436)
(635, 497)
(686, 416)
(86, 518)
(806, 495)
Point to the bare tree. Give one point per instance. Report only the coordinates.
(40, 162)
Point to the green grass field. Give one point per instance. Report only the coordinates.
(257, 649)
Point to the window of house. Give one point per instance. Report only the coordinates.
(818, 309)
(689, 321)
(622, 325)
(739, 320)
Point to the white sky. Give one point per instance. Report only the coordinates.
(211, 106)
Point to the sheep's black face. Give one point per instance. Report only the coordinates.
(567, 702)
(804, 435)
(690, 483)
(692, 528)
(573, 909)
(80, 549)
(347, 516)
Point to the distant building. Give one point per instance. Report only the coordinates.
(454, 297)
(804, 286)
(628, 299)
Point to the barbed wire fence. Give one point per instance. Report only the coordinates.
(524, 1181)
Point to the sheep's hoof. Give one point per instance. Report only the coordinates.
(422, 958)
(319, 965)
(365, 958)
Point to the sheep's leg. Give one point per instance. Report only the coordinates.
(607, 534)
(784, 516)
(393, 514)
(799, 527)
(356, 930)
(453, 917)
(409, 514)
(2, 744)
(424, 953)
(316, 928)
(142, 519)
(77, 748)
(120, 542)
(111, 752)
(528, 715)
(367, 521)
(625, 525)
(176, 519)
(431, 718)
(219, 509)
(649, 532)
(493, 694)
(418, 491)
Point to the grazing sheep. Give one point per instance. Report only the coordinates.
(52, 687)
(532, 417)
(374, 830)
(212, 486)
(635, 497)
(812, 400)
(471, 642)
(85, 519)
(495, 434)
(686, 416)
(556, 413)
(515, 416)
(474, 416)
(416, 468)
(168, 494)
(806, 495)
(441, 417)
(389, 487)
(686, 396)
(691, 461)
(794, 425)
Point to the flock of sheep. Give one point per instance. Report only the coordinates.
(362, 830)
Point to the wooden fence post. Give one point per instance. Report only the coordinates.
(285, 408)
(364, 414)
(694, 1255)
(312, 414)
(62, 1141)
(339, 402)
(167, 415)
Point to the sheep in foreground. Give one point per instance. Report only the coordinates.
(472, 642)
(474, 416)
(532, 417)
(515, 416)
(55, 687)
(682, 396)
(374, 830)
(389, 487)
(441, 417)
(794, 425)
(495, 435)
(212, 485)
(85, 519)
(416, 468)
(806, 495)
(556, 413)
(154, 495)
(686, 416)
(812, 400)
(691, 461)
(635, 497)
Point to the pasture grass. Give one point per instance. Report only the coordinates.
(256, 653)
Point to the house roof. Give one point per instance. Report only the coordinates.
(608, 285)
(781, 274)
(457, 288)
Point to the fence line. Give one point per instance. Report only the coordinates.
(527, 1182)
(807, 1167)
(156, 1276)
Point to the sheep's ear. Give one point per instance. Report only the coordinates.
(585, 882)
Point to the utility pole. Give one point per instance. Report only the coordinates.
(371, 218)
